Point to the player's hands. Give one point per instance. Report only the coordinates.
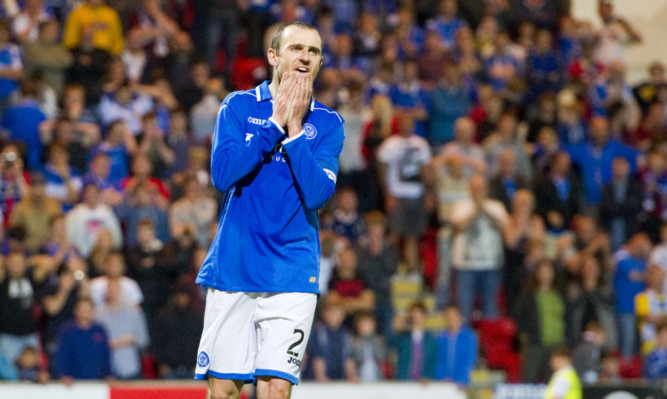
(282, 104)
(300, 103)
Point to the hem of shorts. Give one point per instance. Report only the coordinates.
(275, 373)
(274, 290)
(247, 377)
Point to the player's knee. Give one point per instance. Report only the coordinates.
(224, 394)
(224, 390)
(279, 389)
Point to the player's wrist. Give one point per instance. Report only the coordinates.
(291, 138)
(294, 129)
(278, 121)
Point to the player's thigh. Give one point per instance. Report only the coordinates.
(228, 344)
(284, 322)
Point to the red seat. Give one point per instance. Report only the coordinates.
(496, 338)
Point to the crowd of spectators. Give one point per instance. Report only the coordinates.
(496, 158)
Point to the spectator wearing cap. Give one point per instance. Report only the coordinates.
(86, 219)
(34, 212)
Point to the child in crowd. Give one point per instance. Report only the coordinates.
(564, 383)
(368, 348)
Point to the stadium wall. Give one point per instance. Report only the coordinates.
(186, 390)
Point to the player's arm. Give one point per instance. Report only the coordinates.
(232, 157)
(315, 172)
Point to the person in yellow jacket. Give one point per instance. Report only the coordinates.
(99, 20)
(564, 383)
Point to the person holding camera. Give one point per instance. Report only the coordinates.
(13, 182)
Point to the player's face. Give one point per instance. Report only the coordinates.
(300, 50)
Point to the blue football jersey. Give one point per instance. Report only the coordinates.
(267, 238)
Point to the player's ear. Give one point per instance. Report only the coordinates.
(272, 56)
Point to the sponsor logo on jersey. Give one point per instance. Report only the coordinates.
(256, 121)
(202, 359)
(310, 131)
(248, 136)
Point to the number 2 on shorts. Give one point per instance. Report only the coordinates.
(295, 344)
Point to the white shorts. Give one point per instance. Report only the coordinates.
(249, 335)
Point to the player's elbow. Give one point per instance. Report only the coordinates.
(220, 184)
(219, 179)
(317, 201)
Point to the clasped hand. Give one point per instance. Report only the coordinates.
(292, 101)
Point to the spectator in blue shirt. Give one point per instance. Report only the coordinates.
(543, 66)
(449, 101)
(345, 13)
(99, 172)
(23, 119)
(409, 95)
(501, 67)
(11, 67)
(329, 347)
(655, 367)
(119, 144)
(631, 263)
(457, 349)
(594, 159)
(409, 35)
(416, 348)
(446, 23)
(83, 347)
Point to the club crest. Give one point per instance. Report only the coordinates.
(202, 359)
(310, 131)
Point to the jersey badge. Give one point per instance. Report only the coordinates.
(309, 131)
(202, 359)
